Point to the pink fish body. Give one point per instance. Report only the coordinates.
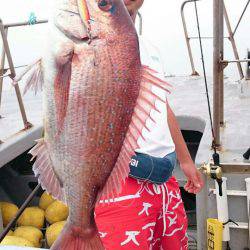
(97, 98)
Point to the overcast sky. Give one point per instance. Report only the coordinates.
(161, 24)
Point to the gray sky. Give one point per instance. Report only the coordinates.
(161, 24)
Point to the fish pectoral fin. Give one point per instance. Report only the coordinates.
(43, 169)
(146, 102)
(35, 79)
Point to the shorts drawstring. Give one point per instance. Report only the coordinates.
(164, 209)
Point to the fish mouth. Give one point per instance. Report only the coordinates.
(69, 22)
(69, 8)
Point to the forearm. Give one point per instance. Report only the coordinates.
(181, 149)
(194, 179)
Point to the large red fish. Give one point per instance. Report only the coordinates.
(97, 98)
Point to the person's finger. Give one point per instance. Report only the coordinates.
(201, 180)
(199, 183)
(187, 185)
(190, 187)
(196, 180)
(192, 190)
(197, 189)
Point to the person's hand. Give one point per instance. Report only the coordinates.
(194, 178)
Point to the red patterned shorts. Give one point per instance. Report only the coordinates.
(145, 216)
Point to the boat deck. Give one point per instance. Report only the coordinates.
(189, 103)
(15, 139)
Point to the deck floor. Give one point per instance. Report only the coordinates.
(12, 132)
(189, 103)
(11, 119)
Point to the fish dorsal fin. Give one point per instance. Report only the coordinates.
(43, 169)
(144, 105)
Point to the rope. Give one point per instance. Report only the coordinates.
(32, 19)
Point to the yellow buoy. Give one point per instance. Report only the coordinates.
(8, 211)
(15, 241)
(56, 211)
(32, 216)
(214, 234)
(45, 200)
(53, 231)
(29, 233)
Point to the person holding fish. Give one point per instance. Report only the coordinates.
(149, 212)
(110, 139)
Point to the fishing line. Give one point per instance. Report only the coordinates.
(216, 156)
(205, 77)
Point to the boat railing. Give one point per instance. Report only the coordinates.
(6, 54)
(140, 23)
(219, 63)
(230, 37)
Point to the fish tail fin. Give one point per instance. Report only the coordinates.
(76, 238)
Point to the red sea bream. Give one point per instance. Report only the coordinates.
(97, 98)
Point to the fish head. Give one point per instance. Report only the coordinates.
(82, 19)
(111, 22)
(107, 17)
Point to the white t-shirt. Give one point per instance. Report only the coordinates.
(158, 142)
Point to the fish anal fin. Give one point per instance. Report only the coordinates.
(43, 169)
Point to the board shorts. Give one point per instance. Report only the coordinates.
(145, 216)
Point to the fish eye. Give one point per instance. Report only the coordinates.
(105, 5)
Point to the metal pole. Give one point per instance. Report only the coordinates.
(231, 39)
(221, 46)
(235, 61)
(241, 17)
(140, 23)
(24, 23)
(203, 37)
(217, 69)
(13, 74)
(19, 212)
(2, 70)
(194, 72)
